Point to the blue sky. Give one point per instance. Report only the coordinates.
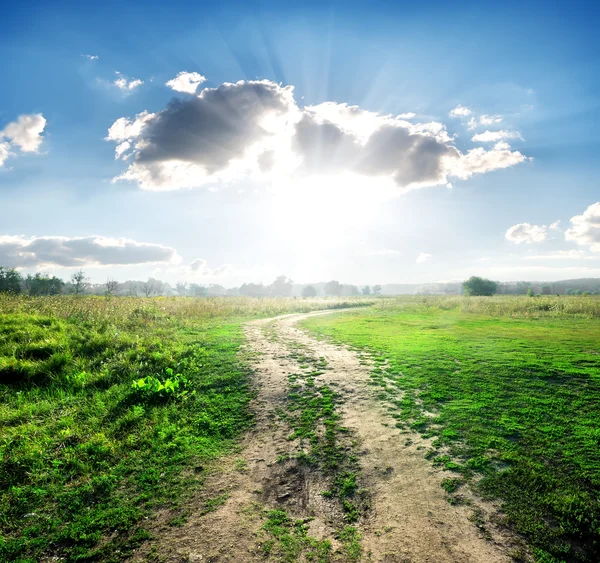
(525, 73)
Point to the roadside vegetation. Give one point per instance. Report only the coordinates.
(109, 409)
(508, 388)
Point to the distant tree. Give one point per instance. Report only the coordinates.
(480, 286)
(333, 287)
(79, 282)
(42, 284)
(150, 287)
(111, 286)
(366, 290)
(181, 288)
(309, 291)
(197, 290)
(215, 289)
(546, 290)
(232, 291)
(522, 288)
(253, 290)
(281, 287)
(349, 290)
(10, 280)
(377, 289)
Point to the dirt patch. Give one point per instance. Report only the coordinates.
(409, 520)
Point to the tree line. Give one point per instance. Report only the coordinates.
(11, 281)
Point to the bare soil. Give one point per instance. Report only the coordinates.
(409, 519)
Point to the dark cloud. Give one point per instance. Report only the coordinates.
(18, 251)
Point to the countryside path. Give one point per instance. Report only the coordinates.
(409, 518)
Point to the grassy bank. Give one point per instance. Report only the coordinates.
(108, 410)
(509, 387)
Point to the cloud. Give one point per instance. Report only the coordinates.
(199, 268)
(91, 57)
(494, 136)
(423, 257)
(527, 233)
(187, 82)
(26, 132)
(255, 129)
(125, 84)
(483, 120)
(22, 252)
(585, 229)
(460, 111)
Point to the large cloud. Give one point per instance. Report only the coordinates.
(527, 233)
(585, 228)
(23, 252)
(255, 129)
(25, 134)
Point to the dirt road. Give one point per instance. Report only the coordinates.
(405, 516)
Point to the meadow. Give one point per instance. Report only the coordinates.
(110, 408)
(508, 389)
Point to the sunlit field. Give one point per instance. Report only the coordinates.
(108, 410)
(509, 390)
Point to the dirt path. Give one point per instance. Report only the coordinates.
(409, 519)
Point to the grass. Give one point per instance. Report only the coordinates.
(108, 410)
(509, 387)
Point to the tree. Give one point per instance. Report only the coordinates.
(253, 290)
(366, 290)
(197, 290)
(281, 287)
(309, 291)
(333, 287)
(479, 286)
(349, 290)
(149, 287)
(181, 288)
(42, 284)
(111, 286)
(10, 280)
(79, 282)
(377, 289)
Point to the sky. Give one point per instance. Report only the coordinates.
(369, 142)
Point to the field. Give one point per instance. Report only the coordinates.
(111, 410)
(108, 410)
(509, 388)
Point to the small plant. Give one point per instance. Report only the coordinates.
(151, 387)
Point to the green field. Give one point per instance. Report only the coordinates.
(509, 388)
(109, 408)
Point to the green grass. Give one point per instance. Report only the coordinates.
(109, 408)
(510, 389)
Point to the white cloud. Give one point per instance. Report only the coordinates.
(527, 233)
(555, 226)
(255, 129)
(460, 111)
(187, 82)
(23, 252)
(91, 57)
(26, 132)
(483, 120)
(407, 115)
(4, 153)
(423, 257)
(125, 84)
(199, 269)
(494, 136)
(585, 229)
